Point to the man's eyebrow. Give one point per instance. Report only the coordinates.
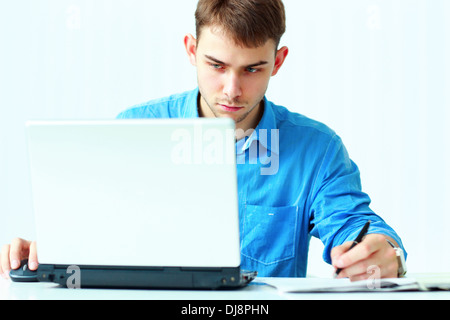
(260, 63)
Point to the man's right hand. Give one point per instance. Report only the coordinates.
(12, 254)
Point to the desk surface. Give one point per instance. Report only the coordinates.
(255, 291)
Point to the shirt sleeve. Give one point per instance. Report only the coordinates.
(339, 208)
(136, 113)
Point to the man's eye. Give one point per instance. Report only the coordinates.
(252, 70)
(216, 66)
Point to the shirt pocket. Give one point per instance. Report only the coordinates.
(269, 233)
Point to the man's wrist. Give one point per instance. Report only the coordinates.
(401, 271)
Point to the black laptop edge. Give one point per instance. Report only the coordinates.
(144, 277)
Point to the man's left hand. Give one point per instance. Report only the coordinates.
(373, 251)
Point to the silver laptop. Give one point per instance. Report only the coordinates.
(136, 203)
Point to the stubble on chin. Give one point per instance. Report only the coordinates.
(217, 114)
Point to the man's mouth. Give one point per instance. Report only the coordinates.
(228, 108)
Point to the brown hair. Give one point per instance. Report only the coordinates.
(250, 23)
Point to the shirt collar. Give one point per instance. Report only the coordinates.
(264, 132)
(191, 107)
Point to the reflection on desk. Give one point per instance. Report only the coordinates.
(258, 290)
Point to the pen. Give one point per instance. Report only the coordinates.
(358, 239)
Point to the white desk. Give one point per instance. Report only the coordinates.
(47, 291)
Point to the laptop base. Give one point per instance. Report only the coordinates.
(144, 277)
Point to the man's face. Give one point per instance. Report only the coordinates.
(232, 79)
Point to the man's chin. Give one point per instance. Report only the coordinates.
(221, 114)
(237, 119)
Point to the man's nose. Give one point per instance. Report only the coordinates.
(232, 86)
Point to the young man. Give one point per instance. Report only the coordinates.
(311, 187)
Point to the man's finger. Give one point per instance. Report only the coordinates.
(338, 251)
(19, 250)
(32, 258)
(4, 261)
(360, 252)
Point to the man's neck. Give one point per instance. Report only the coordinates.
(244, 127)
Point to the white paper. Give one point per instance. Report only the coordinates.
(299, 285)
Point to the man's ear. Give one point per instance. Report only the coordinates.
(190, 43)
(279, 59)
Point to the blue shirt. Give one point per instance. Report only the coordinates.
(295, 180)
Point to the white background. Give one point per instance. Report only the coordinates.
(376, 71)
